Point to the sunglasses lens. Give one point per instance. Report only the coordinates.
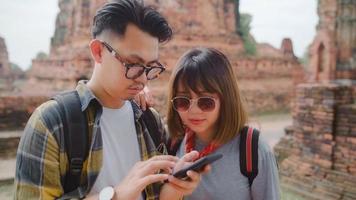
(206, 104)
(181, 104)
(135, 71)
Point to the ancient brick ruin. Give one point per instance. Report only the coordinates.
(318, 155)
(69, 59)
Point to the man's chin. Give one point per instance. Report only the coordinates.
(130, 98)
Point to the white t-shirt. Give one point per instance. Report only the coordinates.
(120, 146)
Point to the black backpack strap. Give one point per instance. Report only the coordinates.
(75, 129)
(173, 145)
(151, 123)
(249, 153)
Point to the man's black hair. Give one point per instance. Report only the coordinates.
(115, 16)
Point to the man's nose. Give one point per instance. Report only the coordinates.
(142, 79)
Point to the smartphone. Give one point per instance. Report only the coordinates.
(198, 165)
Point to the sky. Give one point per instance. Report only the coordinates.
(28, 25)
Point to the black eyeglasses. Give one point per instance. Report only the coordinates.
(183, 104)
(135, 70)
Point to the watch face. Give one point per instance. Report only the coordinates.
(106, 193)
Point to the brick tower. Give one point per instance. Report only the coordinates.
(333, 51)
(318, 154)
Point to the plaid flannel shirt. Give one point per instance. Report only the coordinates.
(42, 161)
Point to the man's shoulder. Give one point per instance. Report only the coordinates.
(49, 107)
(42, 124)
(46, 106)
(48, 114)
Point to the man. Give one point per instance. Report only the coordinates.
(121, 162)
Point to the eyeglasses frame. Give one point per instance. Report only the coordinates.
(127, 66)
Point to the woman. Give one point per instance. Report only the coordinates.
(206, 113)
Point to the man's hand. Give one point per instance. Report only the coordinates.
(144, 99)
(177, 188)
(142, 174)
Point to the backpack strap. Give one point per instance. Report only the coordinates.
(75, 128)
(151, 123)
(173, 145)
(249, 153)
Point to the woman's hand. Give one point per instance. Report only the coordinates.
(144, 99)
(177, 188)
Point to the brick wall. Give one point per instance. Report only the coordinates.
(15, 110)
(318, 156)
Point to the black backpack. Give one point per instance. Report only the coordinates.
(77, 145)
(75, 127)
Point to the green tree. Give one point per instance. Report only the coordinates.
(41, 55)
(245, 27)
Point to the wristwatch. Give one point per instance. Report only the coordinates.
(107, 193)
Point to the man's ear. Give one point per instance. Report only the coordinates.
(96, 50)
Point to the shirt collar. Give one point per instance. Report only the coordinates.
(86, 96)
(136, 110)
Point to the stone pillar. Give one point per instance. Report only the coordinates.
(6, 76)
(287, 48)
(4, 60)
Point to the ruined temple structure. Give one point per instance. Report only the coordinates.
(6, 77)
(318, 155)
(266, 79)
(69, 59)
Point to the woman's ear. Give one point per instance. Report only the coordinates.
(96, 50)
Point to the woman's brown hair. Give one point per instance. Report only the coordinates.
(208, 69)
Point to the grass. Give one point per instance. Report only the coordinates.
(6, 190)
(286, 195)
(269, 113)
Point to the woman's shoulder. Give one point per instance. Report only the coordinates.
(265, 151)
(263, 144)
